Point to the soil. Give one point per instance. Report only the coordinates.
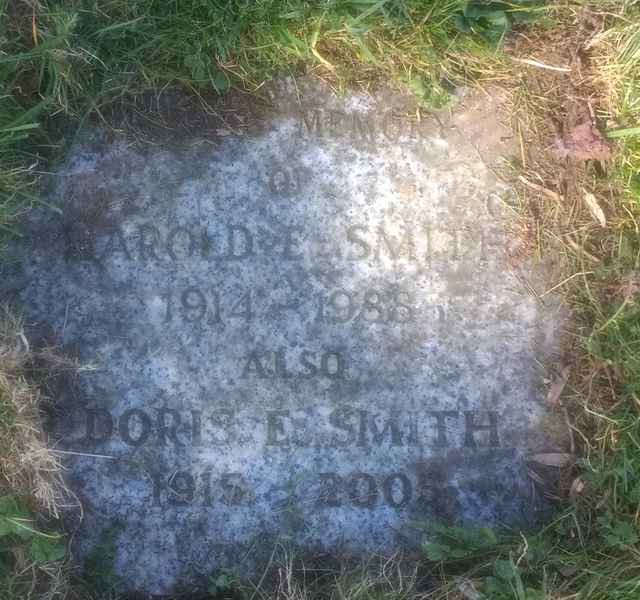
(557, 112)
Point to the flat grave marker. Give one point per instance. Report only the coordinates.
(318, 332)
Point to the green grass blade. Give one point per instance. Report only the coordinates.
(19, 128)
(623, 133)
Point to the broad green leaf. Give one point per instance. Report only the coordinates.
(483, 11)
(47, 550)
(5, 565)
(462, 24)
(505, 569)
(436, 552)
(15, 518)
(220, 82)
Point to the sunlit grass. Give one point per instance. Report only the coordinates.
(67, 58)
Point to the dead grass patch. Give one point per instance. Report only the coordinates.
(27, 467)
(574, 202)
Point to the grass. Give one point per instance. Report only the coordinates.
(591, 549)
(26, 466)
(64, 62)
(30, 479)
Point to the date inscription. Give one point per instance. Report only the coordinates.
(324, 490)
(212, 307)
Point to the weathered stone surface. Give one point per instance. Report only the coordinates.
(318, 332)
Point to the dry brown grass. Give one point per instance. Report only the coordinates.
(576, 208)
(27, 467)
(30, 473)
(288, 576)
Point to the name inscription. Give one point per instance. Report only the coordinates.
(342, 428)
(154, 244)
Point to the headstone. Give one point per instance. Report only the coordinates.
(321, 331)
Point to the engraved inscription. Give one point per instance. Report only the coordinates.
(403, 243)
(342, 428)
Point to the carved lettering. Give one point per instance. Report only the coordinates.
(280, 364)
(135, 427)
(341, 428)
